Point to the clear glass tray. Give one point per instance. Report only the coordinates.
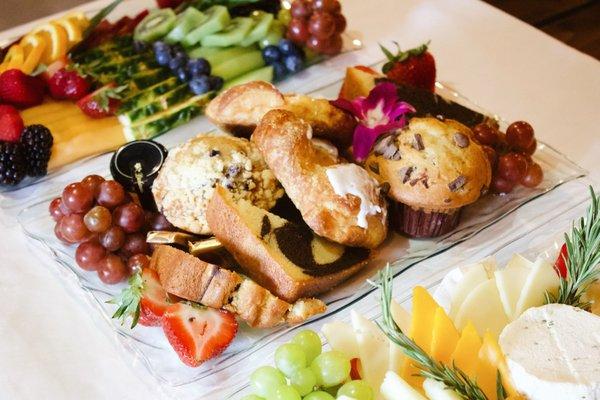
(226, 374)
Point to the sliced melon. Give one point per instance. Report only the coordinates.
(341, 337)
(543, 278)
(510, 282)
(484, 309)
(474, 275)
(396, 388)
(437, 391)
(373, 349)
(261, 74)
(402, 319)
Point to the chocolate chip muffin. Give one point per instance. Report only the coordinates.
(191, 172)
(433, 169)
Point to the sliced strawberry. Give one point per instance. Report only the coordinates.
(103, 102)
(355, 369)
(20, 89)
(11, 124)
(198, 333)
(54, 68)
(68, 85)
(560, 264)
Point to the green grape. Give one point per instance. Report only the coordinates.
(252, 397)
(303, 380)
(310, 343)
(320, 395)
(289, 358)
(331, 368)
(265, 379)
(284, 392)
(358, 389)
(285, 16)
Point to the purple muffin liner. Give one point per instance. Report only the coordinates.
(419, 223)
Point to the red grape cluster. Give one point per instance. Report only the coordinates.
(318, 24)
(108, 225)
(510, 155)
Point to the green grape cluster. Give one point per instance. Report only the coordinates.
(304, 372)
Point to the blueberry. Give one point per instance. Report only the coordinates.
(293, 63)
(271, 54)
(216, 82)
(279, 70)
(182, 74)
(163, 58)
(198, 66)
(178, 61)
(287, 46)
(200, 85)
(160, 47)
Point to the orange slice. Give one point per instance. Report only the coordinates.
(57, 40)
(79, 18)
(14, 57)
(73, 29)
(33, 46)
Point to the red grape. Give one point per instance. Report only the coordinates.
(113, 238)
(519, 135)
(89, 254)
(485, 134)
(340, 23)
(334, 45)
(110, 194)
(532, 148)
(55, 209)
(73, 229)
(58, 232)
(512, 167)
(111, 269)
(157, 222)
(129, 216)
(501, 185)
(533, 177)
(92, 182)
(301, 9)
(137, 262)
(98, 219)
(77, 198)
(491, 154)
(298, 31)
(321, 25)
(330, 6)
(317, 45)
(134, 244)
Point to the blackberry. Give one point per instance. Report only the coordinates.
(37, 145)
(12, 163)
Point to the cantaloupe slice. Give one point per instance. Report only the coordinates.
(474, 275)
(510, 282)
(341, 337)
(437, 391)
(466, 353)
(373, 349)
(542, 278)
(444, 337)
(396, 388)
(358, 82)
(484, 309)
(491, 354)
(402, 319)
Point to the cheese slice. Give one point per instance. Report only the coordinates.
(553, 352)
(510, 282)
(437, 391)
(474, 275)
(491, 354)
(341, 337)
(484, 309)
(396, 388)
(543, 278)
(402, 319)
(373, 349)
(466, 353)
(444, 337)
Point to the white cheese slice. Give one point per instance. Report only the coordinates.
(437, 391)
(484, 309)
(553, 352)
(473, 276)
(396, 388)
(542, 278)
(373, 349)
(402, 319)
(341, 337)
(510, 282)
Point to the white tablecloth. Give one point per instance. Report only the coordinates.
(51, 349)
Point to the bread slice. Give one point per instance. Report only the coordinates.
(287, 259)
(190, 278)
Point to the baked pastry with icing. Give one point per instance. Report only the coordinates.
(287, 259)
(433, 169)
(239, 110)
(339, 201)
(191, 172)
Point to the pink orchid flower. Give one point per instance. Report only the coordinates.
(378, 113)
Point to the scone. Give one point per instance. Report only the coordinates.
(287, 259)
(433, 169)
(191, 172)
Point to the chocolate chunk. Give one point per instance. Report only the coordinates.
(425, 182)
(457, 183)
(392, 153)
(385, 188)
(461, 140)
(383, 144)
(265, 227)
(213, 153)
(414, 181)
(374, 168)
(418, 142)
(405, 173)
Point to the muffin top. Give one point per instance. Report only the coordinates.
(186, 182)
(431, 164)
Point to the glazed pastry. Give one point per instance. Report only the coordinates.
(190, 173)
(433, 169)
(190, 278)
(340, 202)
(287, 259)
(239, 110)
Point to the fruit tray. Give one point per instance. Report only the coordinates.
(148, 347)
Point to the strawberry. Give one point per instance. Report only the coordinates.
(68, 85)
(144, 299)
(54, 67)
(560, 265)
(355, 368)
(103, 102)
(198, 333)
(415, 67)
(11, 124)
(366, 69)
(21, 90)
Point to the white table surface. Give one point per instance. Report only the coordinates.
(50, 348)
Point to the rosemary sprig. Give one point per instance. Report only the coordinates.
(452, 377)
(583, 257)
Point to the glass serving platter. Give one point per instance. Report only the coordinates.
(226, 374)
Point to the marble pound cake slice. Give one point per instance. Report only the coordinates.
(288, 259)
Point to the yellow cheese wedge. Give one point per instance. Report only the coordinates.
(484, 309)
(373, 349)
(396, 388)
(402, 319)
(444, 337)
(543, 278)
(486, 375)
(341, 337)
(491, 354)
(466, 353)
(510, 282)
